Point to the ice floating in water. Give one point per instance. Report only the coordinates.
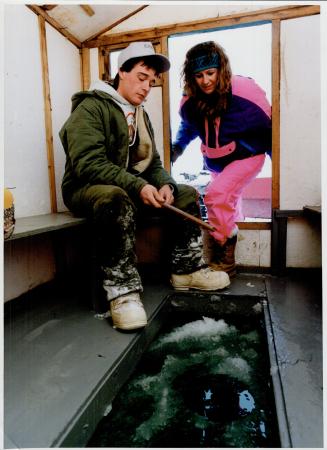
(207, 395)
(215, 361)
(247, 403)
(235, 367)
(257, 307)
(200, 328)
(102, 316)
(262, 428)
(108, 409)
(252, 336)
(202, 391)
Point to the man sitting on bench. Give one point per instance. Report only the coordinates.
(113, 171)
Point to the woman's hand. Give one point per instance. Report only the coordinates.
(175, 153)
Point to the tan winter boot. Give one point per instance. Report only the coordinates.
(205, 279)
(127, 312)
(224, 258)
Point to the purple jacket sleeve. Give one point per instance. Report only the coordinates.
(185, 134)
(186, 131)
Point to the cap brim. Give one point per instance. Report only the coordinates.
(164, 61)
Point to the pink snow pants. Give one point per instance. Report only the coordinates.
(223, 196)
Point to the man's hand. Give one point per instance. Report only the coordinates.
(151, 196)
(167, 194)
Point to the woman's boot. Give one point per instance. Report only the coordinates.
(220, 257)
(210, 247)
(225, 259)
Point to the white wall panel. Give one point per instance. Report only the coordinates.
(94, 64)
(65, 80)
(303, 244)
(300, 153)
(30, 262)
(25, 156)
(300, 163)
(253, 248)
(153, 107)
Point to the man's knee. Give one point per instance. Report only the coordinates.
(110, 202)
(186, 196)
(105, 194)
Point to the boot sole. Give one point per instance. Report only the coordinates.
(230, 272)
(188, 288)
(130, 326)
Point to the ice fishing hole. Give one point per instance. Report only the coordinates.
(203, 382)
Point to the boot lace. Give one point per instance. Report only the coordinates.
(127, 299)
(206, 271)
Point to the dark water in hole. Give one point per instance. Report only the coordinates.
(202, 383)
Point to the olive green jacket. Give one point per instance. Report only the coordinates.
(96, 143)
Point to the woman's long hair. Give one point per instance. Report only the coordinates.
(214, 104)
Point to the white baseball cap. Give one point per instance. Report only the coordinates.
(140, 49)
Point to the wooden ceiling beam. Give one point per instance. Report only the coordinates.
(282, 12)
(47, 113)
(89, 11)
(113, 25)
(48, 7)
(40, 12)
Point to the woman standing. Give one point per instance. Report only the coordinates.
(232, 117)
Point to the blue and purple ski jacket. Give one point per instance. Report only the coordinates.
(242, 131)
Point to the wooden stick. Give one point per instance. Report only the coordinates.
(200, 222)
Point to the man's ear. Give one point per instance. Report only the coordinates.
(121, 74)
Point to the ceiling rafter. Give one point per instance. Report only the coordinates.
(41, 12)
(281, 12)
(89, 11)
(48, 7)
(113, 25)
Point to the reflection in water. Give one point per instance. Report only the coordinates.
(203, 384)
(246, 403)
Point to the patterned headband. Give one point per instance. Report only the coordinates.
(204, 62)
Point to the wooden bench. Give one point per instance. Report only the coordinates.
(44, 223)
(55, 223)
(312, 212)
(279, 233)
(58, 223)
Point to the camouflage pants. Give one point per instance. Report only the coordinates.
(114, 215)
